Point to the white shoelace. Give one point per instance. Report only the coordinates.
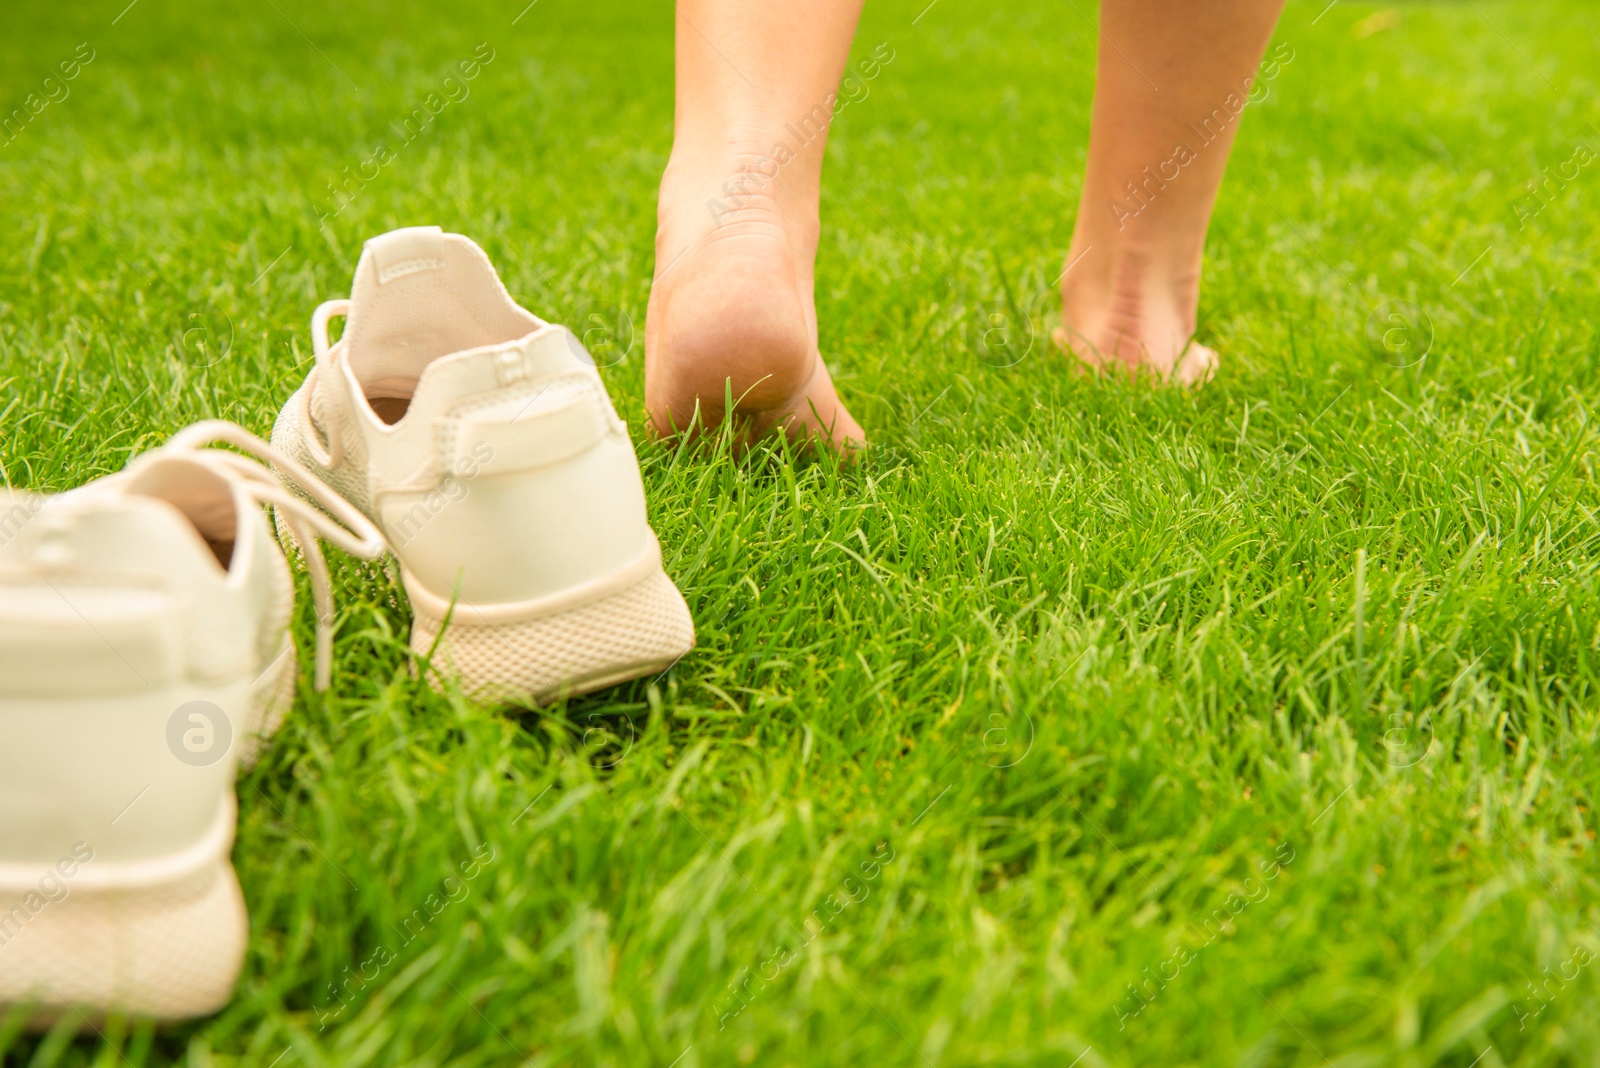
(323, 352)
(339, 522)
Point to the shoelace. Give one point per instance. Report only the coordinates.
(339, 522)
(324, 357)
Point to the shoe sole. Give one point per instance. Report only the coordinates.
(139, 941)
(626, 626)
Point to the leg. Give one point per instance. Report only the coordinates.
(1157, 153)
(731, 307)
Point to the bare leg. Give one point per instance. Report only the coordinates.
(732, 305)
(1172, 79)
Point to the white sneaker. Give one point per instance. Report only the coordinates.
(481, 441)
(144, 648)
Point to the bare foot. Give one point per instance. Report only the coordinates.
(1130, 311)
(732, 314)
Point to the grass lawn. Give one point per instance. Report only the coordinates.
(1080, 724)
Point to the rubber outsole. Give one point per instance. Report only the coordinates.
(639, 629)
(163, 939)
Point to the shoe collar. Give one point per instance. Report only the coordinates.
(214, 489)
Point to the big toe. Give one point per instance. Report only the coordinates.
(820, 414)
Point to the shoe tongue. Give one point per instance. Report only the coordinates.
(420, 294)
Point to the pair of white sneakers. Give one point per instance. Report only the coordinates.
(144, 617)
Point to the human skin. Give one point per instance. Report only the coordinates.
(732, 327)
(1132, 288)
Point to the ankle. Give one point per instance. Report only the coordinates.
(747, 175)
(1128, 262)
(1132, 303)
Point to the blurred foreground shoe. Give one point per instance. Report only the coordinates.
(481, 441)
(144, 651)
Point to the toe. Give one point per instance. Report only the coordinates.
(1196, 367)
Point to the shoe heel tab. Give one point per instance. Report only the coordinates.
(550, 351)
(515, 432)
(98, 531)
(409, 250)
(59, 638)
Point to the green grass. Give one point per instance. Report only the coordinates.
(1048, 680)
